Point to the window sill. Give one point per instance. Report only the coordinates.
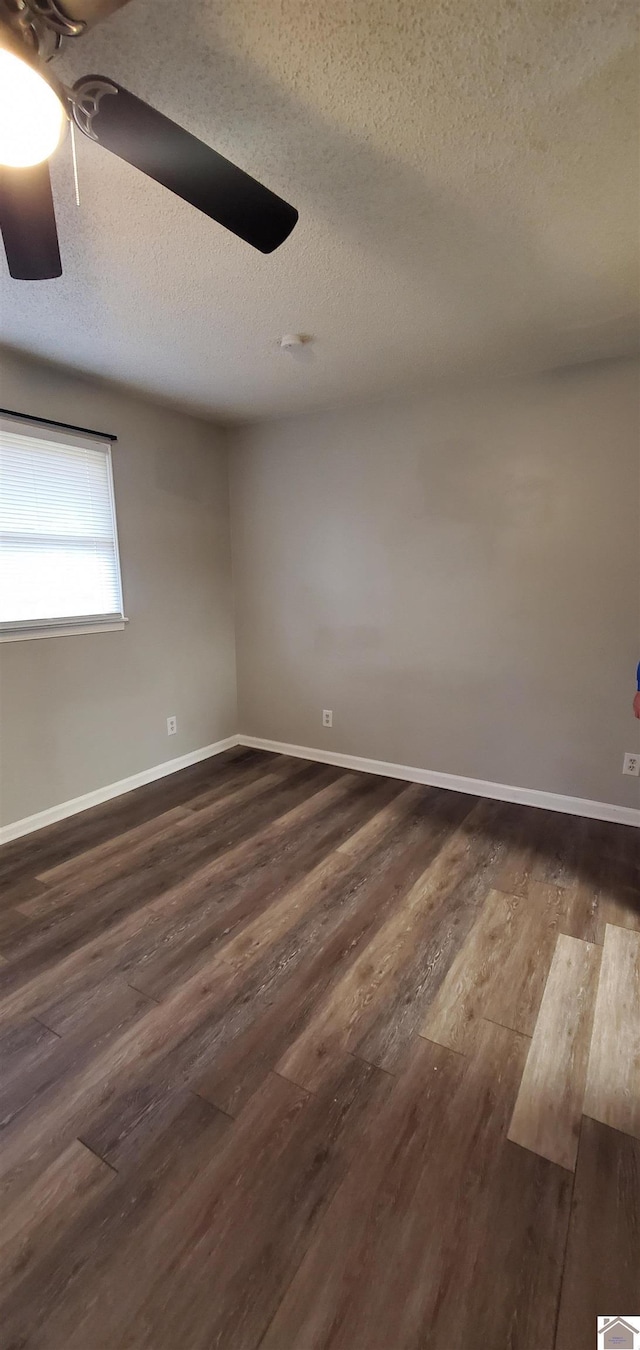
(62, 630)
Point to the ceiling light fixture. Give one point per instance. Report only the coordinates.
(32, 117)
(292, 342)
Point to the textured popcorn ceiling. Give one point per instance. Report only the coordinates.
(465, 172)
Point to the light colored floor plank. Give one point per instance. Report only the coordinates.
(547, 1114)
(515, 995)
(516, 992)
(613, 1079)
(82, 863)
(329, 1033)
(454, 1016)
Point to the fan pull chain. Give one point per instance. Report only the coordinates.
(75, 163)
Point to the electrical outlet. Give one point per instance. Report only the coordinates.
(631, 764)
(327, 717)
(172, 726)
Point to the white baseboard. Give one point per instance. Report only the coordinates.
(478, 787)
(104, 794)
(551, 801)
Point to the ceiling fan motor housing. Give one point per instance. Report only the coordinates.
(39, 25)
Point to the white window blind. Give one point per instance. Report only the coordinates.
(59, 561)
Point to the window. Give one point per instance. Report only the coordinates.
(59, 566)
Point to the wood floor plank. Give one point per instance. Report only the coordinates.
(45, 1212)
(384, 1263)
(63, 1057)
(509, 1271)
(14, 894)
(62, 933)
(607, 890)
(516, 993)
(548, 1111)
(575, 908)
(148, 1048)
(100, 1005)
(20, 1044)
(112, 849)
(224, 772)
(453, 875)
(385, 1028)
(369, 812)
(55, 843)
(543, 847)
(603, 1250)
(613, 841)
(560, 847)
(67, 1270)
(380, 868)
(358, 806)
(141, 845)
(618, 891)
(13, 924)
(333, 1288)
(242, 776)
(454, 1015)
(181, 843)
(613, 1080)
(255, 911)
(521, 835)
(623, 911)
(302, 1148)
(228, 891)
(136, 1271)
(282, 940)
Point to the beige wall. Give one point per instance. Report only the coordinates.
(80, 712)
(458, 579)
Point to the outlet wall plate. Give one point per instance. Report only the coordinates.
(172, 726)
(327, 717)
(631, 764)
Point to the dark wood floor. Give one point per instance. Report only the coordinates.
(297, 1058)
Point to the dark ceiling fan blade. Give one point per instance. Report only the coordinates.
(28, 223)
(164, 151)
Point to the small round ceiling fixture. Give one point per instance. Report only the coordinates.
(292, 342)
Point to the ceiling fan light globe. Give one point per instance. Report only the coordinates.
(32, 117)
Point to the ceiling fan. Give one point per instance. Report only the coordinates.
(35, 109)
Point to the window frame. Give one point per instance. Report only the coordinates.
(67, 625)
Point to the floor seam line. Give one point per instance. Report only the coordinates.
(46, 1026)
(97, 1155)
(505, 1027)
(566, 1241)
